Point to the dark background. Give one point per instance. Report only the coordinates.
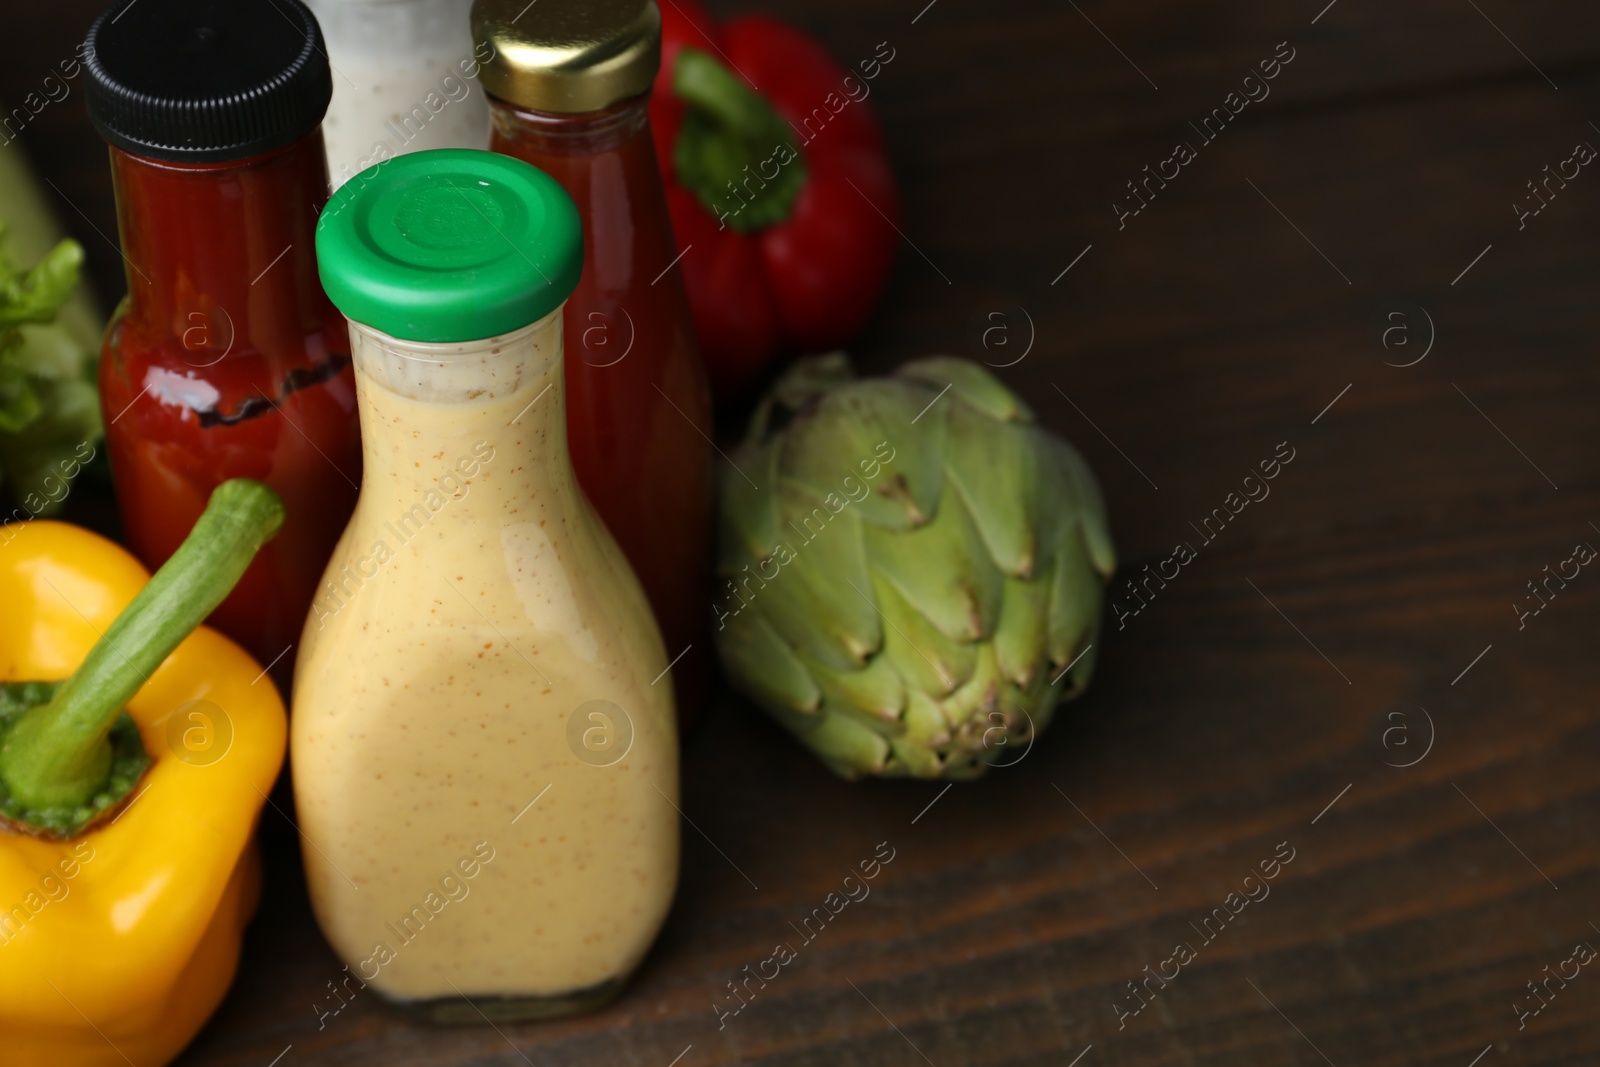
(1293, 659)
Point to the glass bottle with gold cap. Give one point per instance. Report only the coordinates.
(485, 774)
(568, 83)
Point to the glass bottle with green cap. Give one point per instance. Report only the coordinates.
(485, 766)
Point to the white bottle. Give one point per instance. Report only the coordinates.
(405, 77)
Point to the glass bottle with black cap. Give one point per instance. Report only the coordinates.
(226, 358)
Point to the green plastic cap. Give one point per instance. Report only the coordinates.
(449, 245)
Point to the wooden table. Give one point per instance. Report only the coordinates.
(1341, 674)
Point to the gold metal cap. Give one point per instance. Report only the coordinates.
(568, 56)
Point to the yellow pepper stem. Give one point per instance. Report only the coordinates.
(58, 753)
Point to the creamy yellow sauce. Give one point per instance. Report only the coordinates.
(473, 605)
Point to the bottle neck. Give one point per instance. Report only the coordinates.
(222, 256)
(631, 286)
(587, 133)
(429, 410)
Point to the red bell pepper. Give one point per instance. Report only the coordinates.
(778, 178)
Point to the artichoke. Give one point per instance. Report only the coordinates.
(910, 569)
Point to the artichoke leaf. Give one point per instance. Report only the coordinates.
(849, 748)
(1010, 730)
(874, 690)
(925, 722)
(970, 706)
(942, 569)
(1060, 499)
(1077, 679)
(796, 388)
(818, 596)
(964, 767)
(911, 760)
(861, 444)
(1075, 596)
(1019, 637)
(884, 728)
(995, 467)
(747, 515)
(1027, 711)
(1090, 508)
(753, 651)
(926, 659)
(973, 384)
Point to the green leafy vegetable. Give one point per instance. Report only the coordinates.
(49, 411)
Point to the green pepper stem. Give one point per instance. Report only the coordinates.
(58, 754)
(735, 152)
(700, 81)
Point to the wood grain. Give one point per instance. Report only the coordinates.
(1257, 686)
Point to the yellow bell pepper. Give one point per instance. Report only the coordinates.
(117, 944)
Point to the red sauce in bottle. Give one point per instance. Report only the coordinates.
(638, 405)
(227, 360)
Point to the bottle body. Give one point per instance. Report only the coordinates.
(483, 763)
(227, 360)
(638, 403)
(406, 78)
